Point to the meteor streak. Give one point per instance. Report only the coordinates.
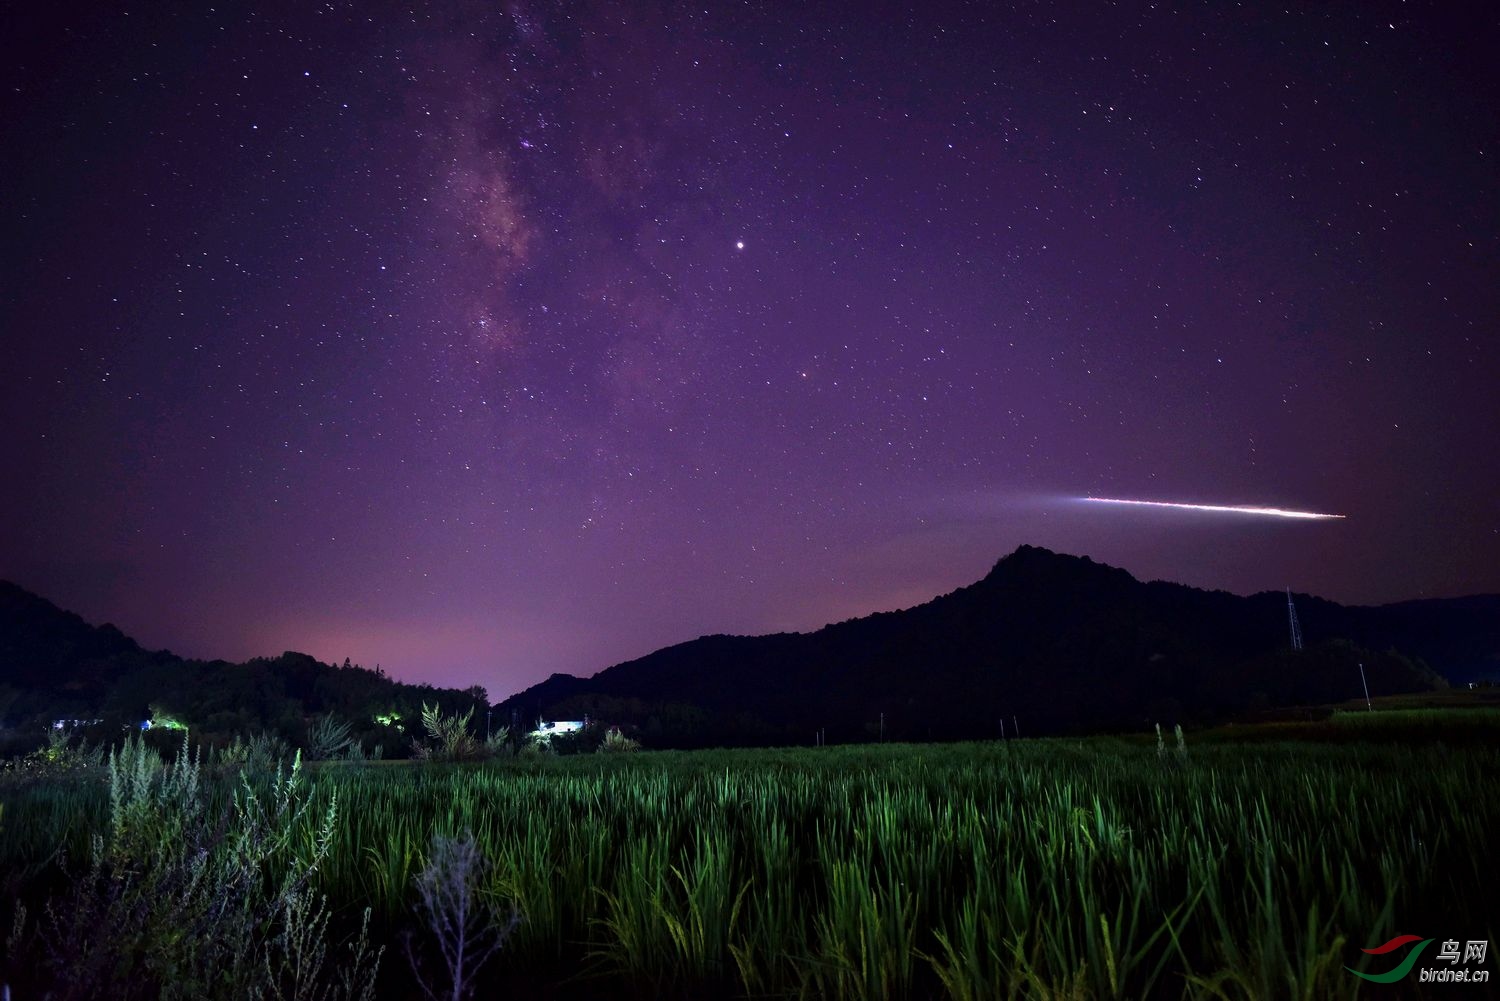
(1268, 512)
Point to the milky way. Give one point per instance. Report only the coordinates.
(486, 341)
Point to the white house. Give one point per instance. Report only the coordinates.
(546, 731)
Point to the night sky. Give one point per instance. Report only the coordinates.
(483, 341)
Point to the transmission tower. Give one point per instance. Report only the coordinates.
(1291, 614)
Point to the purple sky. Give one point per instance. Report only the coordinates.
(496, 340)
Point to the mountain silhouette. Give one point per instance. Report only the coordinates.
(1050, 642)
(1047, 642)
(48, 652)
(54, 665)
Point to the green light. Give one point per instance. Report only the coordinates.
(389, 719)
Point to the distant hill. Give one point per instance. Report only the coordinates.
(51, 659)
(54, 665)
(1049, 642)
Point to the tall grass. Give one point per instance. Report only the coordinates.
(1033, 869)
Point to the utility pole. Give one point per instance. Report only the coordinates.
(882, 728)
(1291, 612)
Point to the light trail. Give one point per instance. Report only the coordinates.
(1265, 512)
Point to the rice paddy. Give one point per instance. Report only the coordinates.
(1097, 868)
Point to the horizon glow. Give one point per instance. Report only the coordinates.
(1268, 512)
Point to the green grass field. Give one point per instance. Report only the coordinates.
(1034, 869)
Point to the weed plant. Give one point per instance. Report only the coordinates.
(179, 901)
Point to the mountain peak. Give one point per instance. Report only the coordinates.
(1057, 642)
(1035, 566)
